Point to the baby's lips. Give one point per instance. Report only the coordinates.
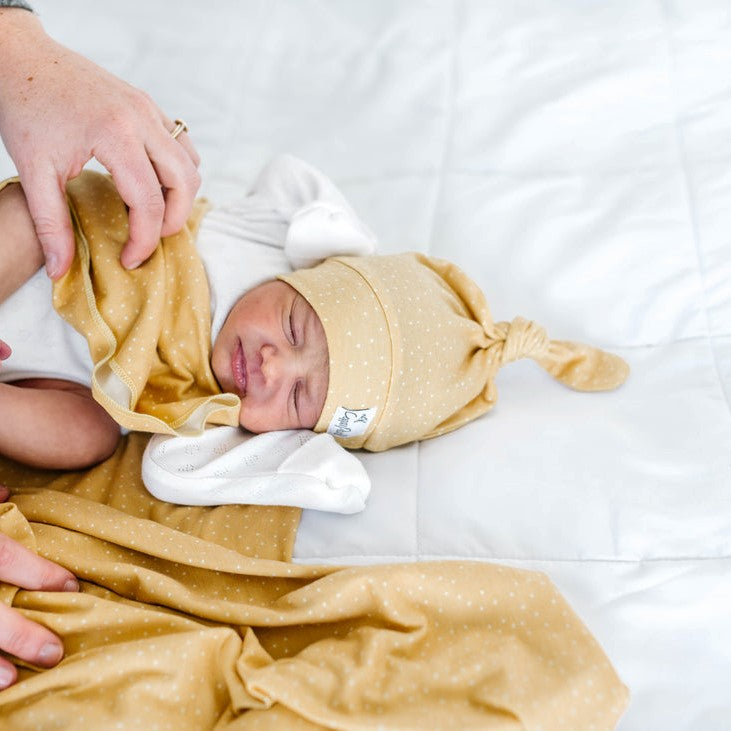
(238, 369)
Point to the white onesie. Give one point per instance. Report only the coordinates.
(293, 217)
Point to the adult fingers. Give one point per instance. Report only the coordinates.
(183, 139)
(176, 165)
(141, 174)
(178, 200)
(139, 187)
(46, 198)
(8, 673)
(4, 350)
(19, 636)
(27, 640)
(19, 566)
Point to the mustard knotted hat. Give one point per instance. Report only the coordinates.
(414, 351)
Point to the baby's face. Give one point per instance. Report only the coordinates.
(272, 353)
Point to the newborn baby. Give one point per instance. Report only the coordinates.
(269, 351)
(376, 350)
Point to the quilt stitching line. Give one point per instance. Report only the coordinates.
(691, 197)
(417, 498)
(410, 558)
(449, 106)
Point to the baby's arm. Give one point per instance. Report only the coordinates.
(54, 424)
(43, 423)
(46, 423)
(20, 250)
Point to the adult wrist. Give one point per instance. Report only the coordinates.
(16, 21)
(21, 37)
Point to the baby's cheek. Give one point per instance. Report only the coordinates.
(252, 419)
(246, 416)
(215, 362)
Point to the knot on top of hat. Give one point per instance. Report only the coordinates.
(581, 367)
(520, 338)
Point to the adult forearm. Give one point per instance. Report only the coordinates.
(17, 25)
(15, 4)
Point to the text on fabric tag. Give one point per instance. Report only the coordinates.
(350, 422)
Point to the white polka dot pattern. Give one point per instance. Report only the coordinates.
(149, 329)
(187, 620)
(412, 336)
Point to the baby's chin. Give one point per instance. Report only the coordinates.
(258, 423)
(254, 430)
(245, 422)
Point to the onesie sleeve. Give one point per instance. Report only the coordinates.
(321, 222)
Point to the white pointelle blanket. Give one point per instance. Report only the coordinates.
(228, 466)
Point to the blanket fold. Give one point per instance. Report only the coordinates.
(186, 619)
(146, 376)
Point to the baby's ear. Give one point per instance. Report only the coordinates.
(322, 229)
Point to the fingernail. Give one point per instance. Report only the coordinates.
(6, 677)
(51, 265)
(71, 585)
(50, 653)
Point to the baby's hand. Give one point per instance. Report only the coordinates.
(4, 350)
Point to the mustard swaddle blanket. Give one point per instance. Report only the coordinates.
(146, 375)
(192, 618)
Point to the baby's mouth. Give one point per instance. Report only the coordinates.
(238, 369)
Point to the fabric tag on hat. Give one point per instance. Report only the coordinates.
(350, 422)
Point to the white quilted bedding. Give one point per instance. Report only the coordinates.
(575, 158)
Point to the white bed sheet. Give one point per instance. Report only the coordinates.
(575, 158)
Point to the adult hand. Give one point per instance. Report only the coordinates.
(57, 111)
(19, 636)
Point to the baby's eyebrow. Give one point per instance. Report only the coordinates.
(309, 409)
(307, 315)
(316, 395)
(296, 304)
(313, 413)
(303, 395)
(291, 312)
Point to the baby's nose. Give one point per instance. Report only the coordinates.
(275, 365)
